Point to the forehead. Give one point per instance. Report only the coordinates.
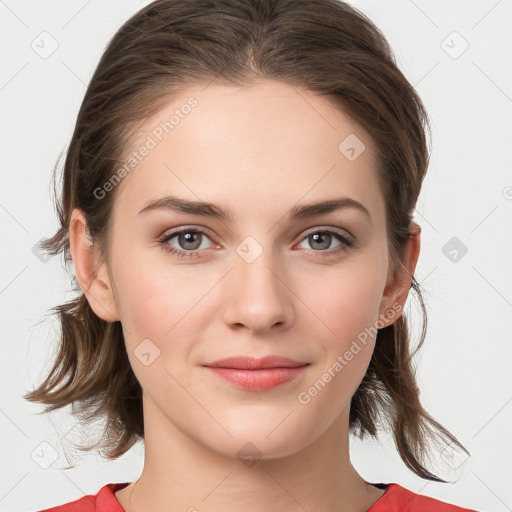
(265, 146)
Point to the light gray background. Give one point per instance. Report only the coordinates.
(464, 366)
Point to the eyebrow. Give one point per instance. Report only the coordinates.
(207, 209)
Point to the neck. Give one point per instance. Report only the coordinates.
(181, 474)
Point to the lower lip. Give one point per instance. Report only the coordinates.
(258, 380)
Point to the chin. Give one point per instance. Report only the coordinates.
(259, 440)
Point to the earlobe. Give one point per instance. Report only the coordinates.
(91, 274)
(398, 286)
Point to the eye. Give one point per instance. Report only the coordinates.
(322, 239)
(190, 241)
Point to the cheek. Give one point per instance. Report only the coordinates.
(343, 302)
(147, 302)
(161, 301)
(160, 306)
(346, 312)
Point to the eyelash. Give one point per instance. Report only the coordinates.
(345, 242)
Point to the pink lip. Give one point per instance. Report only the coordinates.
(254, 363)
(257, 374)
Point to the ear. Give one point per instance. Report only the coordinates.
(91, 273)
(397, 287)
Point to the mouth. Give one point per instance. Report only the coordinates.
(257, 374)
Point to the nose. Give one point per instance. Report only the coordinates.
(258, 296)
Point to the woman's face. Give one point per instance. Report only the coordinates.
(260, 281)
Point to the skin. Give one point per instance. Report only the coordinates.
(268, 146)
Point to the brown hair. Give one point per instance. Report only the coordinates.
(325, 46)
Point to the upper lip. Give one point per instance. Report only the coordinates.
(254, 363)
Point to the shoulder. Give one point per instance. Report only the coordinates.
(398, 498)
(104, 500)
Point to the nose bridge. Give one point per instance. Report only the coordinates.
(257, 261)
(258, 296)
(259, 274)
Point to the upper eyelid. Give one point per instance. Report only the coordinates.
(177, 231)
(329, 228)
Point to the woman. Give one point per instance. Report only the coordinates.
(237, 202)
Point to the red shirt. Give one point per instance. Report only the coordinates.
(395, 499)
